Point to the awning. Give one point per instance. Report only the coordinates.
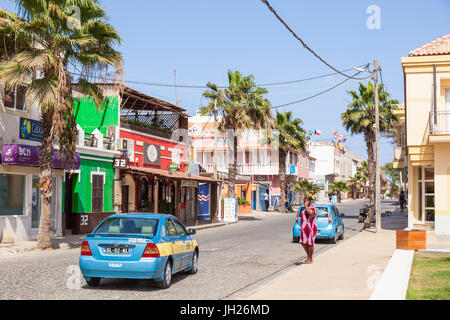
(173, 175)
(24, 155)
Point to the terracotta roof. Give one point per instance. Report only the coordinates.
(436, 47)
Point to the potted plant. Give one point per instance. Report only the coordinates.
(244, 206)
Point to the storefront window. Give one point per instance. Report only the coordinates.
(12, 194)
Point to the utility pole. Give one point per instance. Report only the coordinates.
(215, 142)
(175, 86)
(377, 142)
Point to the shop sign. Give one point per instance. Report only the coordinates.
(173, 167)
(30, 129)
(230, 210)
(292, 169)
(152, 154)
(189, 183)
(24, 155)
(121, 163)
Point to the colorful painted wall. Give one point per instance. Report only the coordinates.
(82, 186)
(89, 117)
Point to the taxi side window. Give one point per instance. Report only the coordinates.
(181, 231)
(171, 230)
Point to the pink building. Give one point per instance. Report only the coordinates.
(257, 161)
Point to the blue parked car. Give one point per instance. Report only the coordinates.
(138, 246)
(329, 223)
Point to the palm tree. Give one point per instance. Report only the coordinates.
(242, 106)
(360, 118)
(52, 43)
(337, 187)
(291, 137)
(307, 188)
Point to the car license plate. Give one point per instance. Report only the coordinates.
(117, 250)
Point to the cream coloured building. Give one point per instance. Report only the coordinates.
(426, 151)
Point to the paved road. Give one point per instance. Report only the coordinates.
(232, 258)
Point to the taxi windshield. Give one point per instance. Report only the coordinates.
(129, 225)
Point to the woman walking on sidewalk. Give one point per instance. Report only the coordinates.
(308, 228)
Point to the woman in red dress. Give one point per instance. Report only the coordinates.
(308, 228)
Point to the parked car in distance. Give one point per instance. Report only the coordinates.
(139, 246)
(329, 223)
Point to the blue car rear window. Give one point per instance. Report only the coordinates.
(129, 225)
(321, 211)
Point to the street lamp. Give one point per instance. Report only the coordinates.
(377, 142)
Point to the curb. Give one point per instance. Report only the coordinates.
(393, 284)
(211, 225)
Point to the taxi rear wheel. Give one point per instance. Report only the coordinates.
(93, 282)
(167, 280)
(296, 239)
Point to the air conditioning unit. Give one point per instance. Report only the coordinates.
(122, 144)
(127, 147)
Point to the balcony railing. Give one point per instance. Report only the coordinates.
(439, 122)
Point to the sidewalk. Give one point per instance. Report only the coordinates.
(351, 270)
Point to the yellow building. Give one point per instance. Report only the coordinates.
(426, 151)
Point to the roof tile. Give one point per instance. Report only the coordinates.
(436, 47)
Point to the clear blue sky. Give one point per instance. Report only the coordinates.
(202, 39)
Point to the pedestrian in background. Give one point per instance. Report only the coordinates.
(308, 228)
(266, 200)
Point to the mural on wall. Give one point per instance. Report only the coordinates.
(152, 154)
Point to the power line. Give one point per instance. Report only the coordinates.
(222, 86)
(304, 44)
(318, 94)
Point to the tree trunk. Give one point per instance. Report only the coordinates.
(282, 174)
(232, 172)
(46, 173)
(370, 138)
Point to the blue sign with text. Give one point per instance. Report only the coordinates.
(30, 129)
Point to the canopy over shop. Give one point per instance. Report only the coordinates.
(162, 191)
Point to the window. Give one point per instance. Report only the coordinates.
(181, 231)
(97, 193)
(171, 229)
(15, 99)
(129, 226)
(12, 191)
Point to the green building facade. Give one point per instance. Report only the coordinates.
(88, 192)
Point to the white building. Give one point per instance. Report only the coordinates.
(332, 163)
(20, 133)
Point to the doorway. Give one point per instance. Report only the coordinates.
(426, 206)
(125, 195)
(68, 192)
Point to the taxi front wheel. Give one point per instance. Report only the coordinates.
(194, 264)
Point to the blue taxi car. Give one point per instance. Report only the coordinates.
(138, 246)
(329, 223)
